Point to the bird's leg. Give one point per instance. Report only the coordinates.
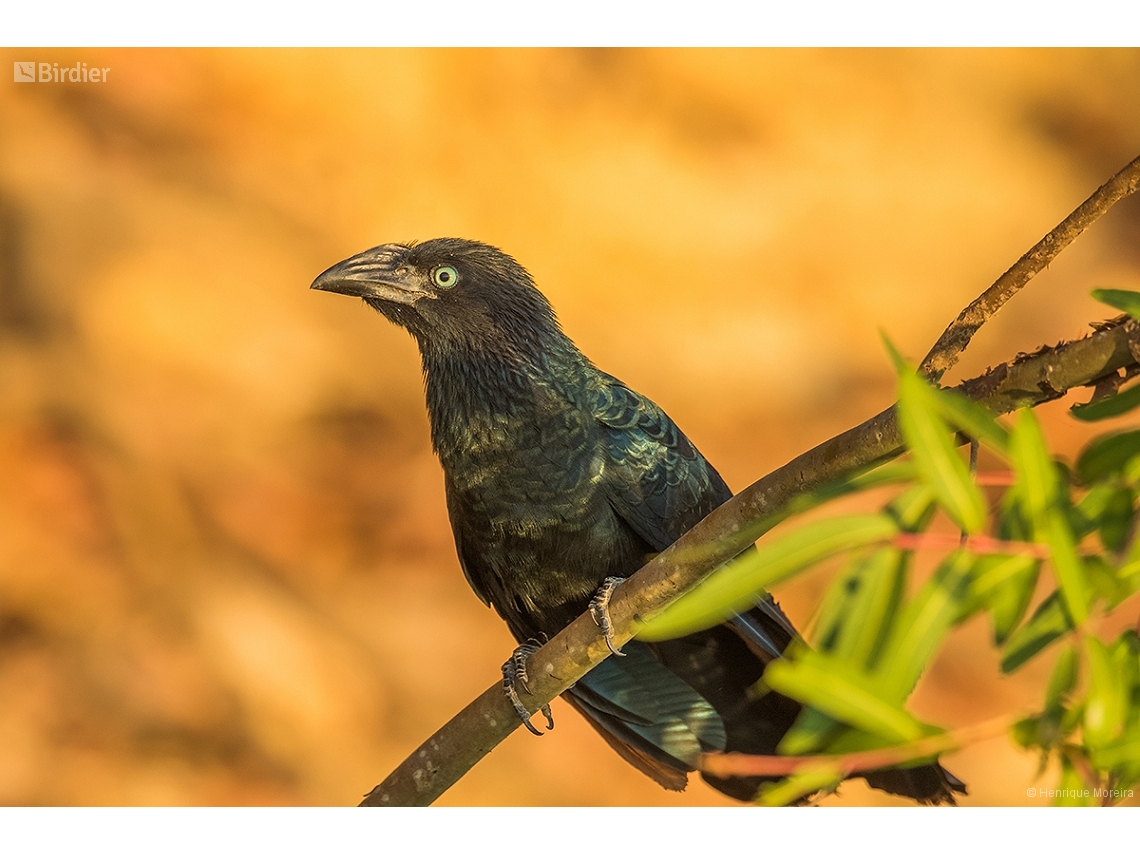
(514, 671)
(600, 610)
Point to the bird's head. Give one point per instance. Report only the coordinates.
(449, 293)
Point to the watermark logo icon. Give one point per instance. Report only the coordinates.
(24, 72)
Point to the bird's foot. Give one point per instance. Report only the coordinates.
(514, 671)
(600, 610)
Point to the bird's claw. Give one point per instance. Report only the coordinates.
(514, 671)
(600, 610)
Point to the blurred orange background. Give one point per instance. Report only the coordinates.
(226, 573)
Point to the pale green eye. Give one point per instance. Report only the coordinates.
(445, 277)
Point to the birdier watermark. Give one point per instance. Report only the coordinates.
(53, 72)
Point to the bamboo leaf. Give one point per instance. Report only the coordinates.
(1121, 752)
(736, 586)
(1116, 519)
(1064, 677)
(930, 441)
(1073, 790)
(1006, 584)
(1104, 713)
(833, 689)
(1049, 622)
(913, 508)
(923, 625)
(972, 419)
(1040, 489)
(873, 610)
(825, 776)
(810, 733)
(1126, 301)
(1117, 405)
(1107, 454)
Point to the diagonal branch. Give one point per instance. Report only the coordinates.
(1027, 381)
(447, 755)
(956, 336)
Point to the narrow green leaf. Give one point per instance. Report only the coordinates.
(1041, 491)
(1107, 454)
(897, 360)
(1067, 564)
(1049, 622)
(811, 732)
(1036, 474)
(1064, 677)
(1010, 596)
(930, 441)
(923, 625)
(873, 610)
(1116, 519)
(913, 508)
(1126, 301)
(972, 419)
(1087, 513)
(1073, 791)
(735, 586)
(802, 783)
(1119, 752)
(1025, 732)
(893, 472)
(1125, 658)
(833, 689)
(1117, 405)
(1104, 713)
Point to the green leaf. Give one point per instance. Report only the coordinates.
(833, 689)
(1107, 454)
(1064, 677)
(913, 508)
(1036, 474)
(1073, 790)
(1049, 622)
(1126, 301)
(1006, 584)
(1041, 490)
(1120, 752)
(930, 441)
(972, 419)
(736, 586)
(897, 360)
(1104, 712)
(923, 625)
(810, 733)
(803, 783)
(1116, 405)
(1024, 732)
(1116, 520)
(1125, 658)
(1087, 513)
(1068, 565)
(860, 608)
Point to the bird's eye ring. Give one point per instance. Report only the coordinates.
(445, 277)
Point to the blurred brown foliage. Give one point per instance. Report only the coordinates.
(226, 575)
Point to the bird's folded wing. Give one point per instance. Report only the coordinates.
(650, 714)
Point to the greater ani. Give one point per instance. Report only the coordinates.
(561, 480)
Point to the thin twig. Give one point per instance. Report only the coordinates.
(743, 765)
(956, 336)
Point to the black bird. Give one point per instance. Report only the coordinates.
(560, 477)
